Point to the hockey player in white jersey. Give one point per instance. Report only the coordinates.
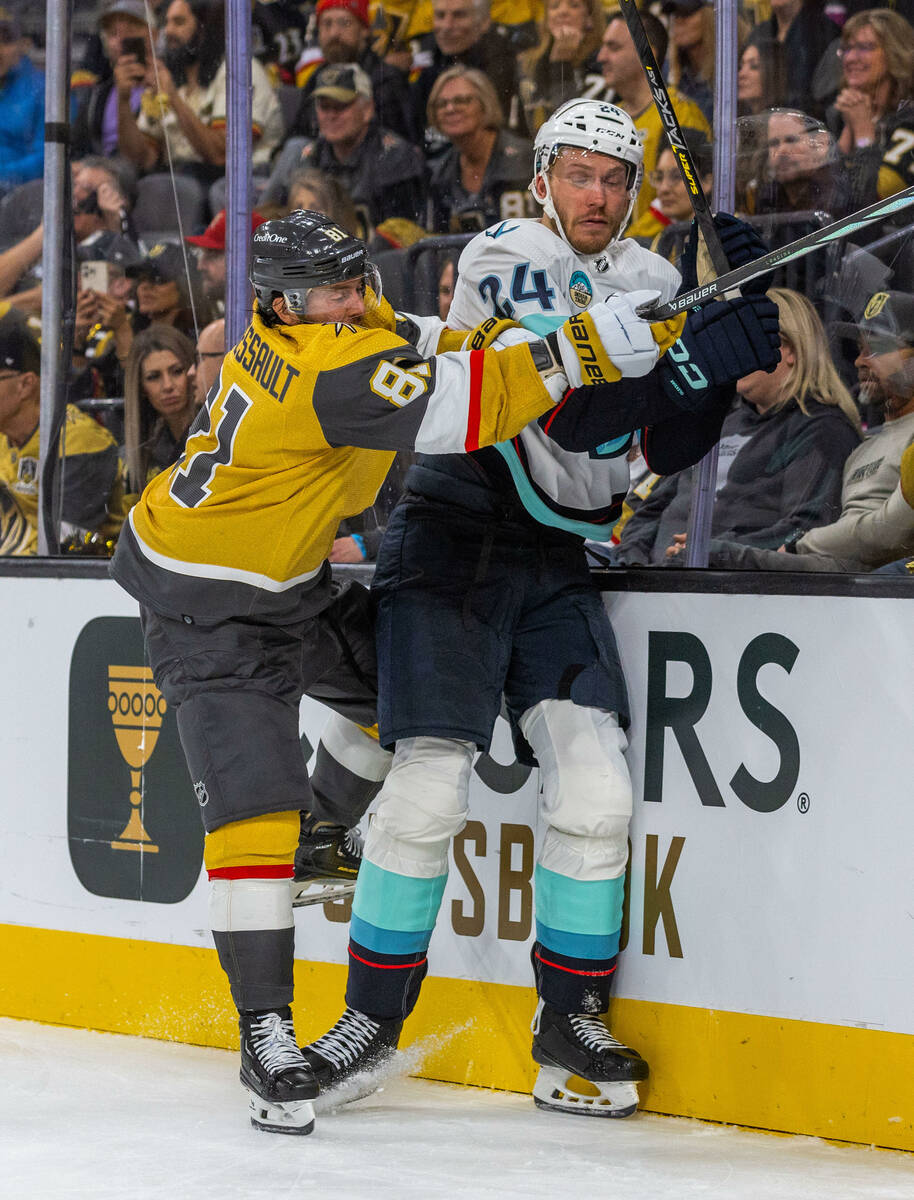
(483, 591)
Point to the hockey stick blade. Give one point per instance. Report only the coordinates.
(776, 258)
(675, 136)
(326, 890)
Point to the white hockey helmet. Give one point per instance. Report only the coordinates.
(587, 125)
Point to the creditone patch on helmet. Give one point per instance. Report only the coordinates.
(580, 290)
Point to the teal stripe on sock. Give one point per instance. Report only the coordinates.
(388, 941)
(397, 902)
(592, 908)
(578, 945)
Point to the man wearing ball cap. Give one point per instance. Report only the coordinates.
(344, 36)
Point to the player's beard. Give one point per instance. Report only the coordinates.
(584, 240)
(590, 240)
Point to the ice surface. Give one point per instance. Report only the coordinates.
(87, 1114)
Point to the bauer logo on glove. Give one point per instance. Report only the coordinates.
(594, 362)
(608, 342)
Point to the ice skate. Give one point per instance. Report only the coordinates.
(348, 1059)
(276, 1074)
(583, 1069)
(327, 862)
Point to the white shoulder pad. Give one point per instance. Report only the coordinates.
(645, 269)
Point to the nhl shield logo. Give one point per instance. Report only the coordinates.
(580, 290)
(201, 793)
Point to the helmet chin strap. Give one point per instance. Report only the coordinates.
(548, 207)
(546, 204)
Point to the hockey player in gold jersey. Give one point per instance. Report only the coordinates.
(227, 554)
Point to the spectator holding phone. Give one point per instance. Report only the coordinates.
(103, 191)
(103, 329)
(184, 101)
(127, 43)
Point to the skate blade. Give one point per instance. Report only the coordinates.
(560, 1091)
(293, 1116)
(319, 891)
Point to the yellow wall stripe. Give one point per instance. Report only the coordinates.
(829, 1081)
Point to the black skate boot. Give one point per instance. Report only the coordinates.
(583, 1069)
(348, 1058)
(327, 862)
(276, 1074)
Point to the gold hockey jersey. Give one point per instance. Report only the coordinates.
(299, 435)
(91, 482)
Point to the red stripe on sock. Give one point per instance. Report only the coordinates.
(387, 966)
(475, 405)
(283, 872)
(571, 970)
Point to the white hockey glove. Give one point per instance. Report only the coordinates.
(608, 341)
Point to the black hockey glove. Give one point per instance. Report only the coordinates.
(721, 342)
(741, 244)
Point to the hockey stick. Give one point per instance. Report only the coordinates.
(684, 161)
(775, 258)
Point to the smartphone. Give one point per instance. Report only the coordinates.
(94, 276)
(135, 46)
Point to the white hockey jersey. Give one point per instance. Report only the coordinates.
(522, 270)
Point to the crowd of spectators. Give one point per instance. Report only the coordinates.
(406, 122)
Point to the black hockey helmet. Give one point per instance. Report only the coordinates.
(293, 254)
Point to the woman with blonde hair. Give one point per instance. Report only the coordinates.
(320, 192)
(159, 403)
(874, 103)
(782, 450)
(558, 67)
(483, 177)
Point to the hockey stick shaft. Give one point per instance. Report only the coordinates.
(675, 136)
(776, 258)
